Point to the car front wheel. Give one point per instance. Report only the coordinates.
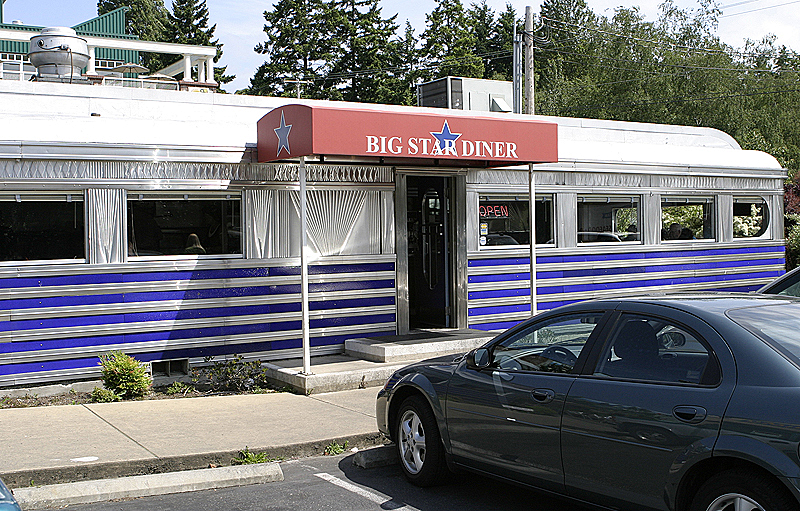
(419, 444)
(742, 491)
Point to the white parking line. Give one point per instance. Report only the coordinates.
(374, 497)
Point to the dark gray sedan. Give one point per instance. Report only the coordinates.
(672, 403)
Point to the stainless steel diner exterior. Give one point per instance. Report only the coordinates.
(123, 177)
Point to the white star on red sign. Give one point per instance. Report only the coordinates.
(282, 133)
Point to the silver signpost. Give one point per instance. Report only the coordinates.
(304, 269)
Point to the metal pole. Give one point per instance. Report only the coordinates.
(304, 269)
(517, 71)
(528, 38)
(532, 209)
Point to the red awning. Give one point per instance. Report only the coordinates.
(423, 138)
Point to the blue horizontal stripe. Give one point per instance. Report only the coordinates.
(774, 251)
(114, 319)
(349, 268)
(723, 279)
(356, 302)
(163, 335)
(500, 309)
(500, 293)
(348, 321)
(591, 272)
(158, 276)
(193, 294)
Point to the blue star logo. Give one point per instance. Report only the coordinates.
(447, 139)
(282, 133)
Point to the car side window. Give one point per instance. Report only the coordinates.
(552, 346)
(654, 349)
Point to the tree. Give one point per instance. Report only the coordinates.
(148, 19)
(361, 68)
(188, 24)
(301, 44)
(449, 42)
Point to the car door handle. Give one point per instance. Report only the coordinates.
(690, 414)
(543, 395)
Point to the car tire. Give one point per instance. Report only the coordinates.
(419, 443)
(738, 489)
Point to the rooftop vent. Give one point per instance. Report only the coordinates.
(58, 52)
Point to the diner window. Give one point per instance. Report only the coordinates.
(687, 218)
(41, 227)
(750, 217)
(186, 224)
(603, 219)
(505, 220)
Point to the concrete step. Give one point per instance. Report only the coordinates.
(368, 362)
(416, 345)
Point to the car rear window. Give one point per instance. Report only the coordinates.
(779, 325)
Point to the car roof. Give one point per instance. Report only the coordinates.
(699, 304)
(790, 276)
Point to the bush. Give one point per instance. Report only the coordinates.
(235, 375)
(792, 241)
(104, 396)
(124, 375)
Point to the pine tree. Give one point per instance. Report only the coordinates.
(188, 24)
(301, 44)
(449, 42)
(361, 69)
(147, 19)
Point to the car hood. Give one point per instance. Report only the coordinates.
(453, 359)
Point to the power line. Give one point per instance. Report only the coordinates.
(759, 9)
(678, 66)
(682, 100)
(669, 46)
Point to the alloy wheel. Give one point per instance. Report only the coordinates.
(412, 442)
(734, 502)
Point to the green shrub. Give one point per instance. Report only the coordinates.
(100, 395)
(178, 387)
(247, 457)
(124, 375)
(792, 241)
(335, 448)
(236, 375)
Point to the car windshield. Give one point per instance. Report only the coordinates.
(777, 324)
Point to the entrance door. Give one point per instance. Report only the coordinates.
(428, 252)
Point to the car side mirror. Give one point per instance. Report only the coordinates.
(478, 359)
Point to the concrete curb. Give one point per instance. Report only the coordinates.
(375, 457)
(80, 473)
(102, 490)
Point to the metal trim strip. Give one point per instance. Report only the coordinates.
(189, 343)
(186, 285)
(616, 263)
(176, 305)
(44, 334)
(606, 279)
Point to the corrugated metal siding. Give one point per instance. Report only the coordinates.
(110, 23)
(499, 286)
(55, 322)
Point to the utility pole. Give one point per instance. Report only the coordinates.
(517, 71)
(528, 39)
(298, 82)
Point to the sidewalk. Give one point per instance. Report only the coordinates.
(59, 444)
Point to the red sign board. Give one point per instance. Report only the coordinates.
(404, 137)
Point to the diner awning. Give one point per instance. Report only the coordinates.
(404, 137)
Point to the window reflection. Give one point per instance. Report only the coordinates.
(41, 228)
(750, 217)
(608, 219)
(195, 226)
(687, 218)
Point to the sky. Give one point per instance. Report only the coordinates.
(240, 23)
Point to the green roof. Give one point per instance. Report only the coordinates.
(110, 24)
